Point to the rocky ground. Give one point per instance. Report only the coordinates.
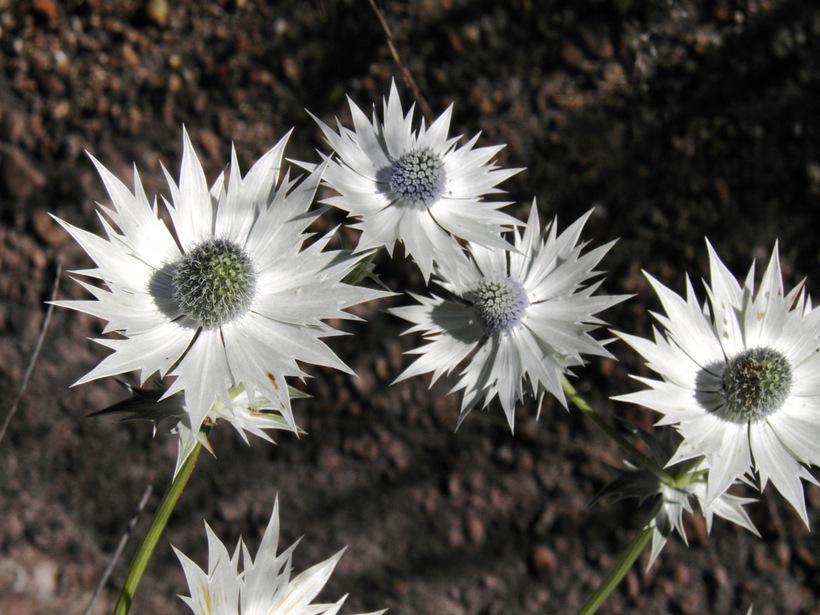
(675, 120)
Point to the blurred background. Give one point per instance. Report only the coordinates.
(674, 120)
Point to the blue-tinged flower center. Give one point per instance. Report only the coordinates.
(418, 177)
(499, 304)
(215, 282)
(755, 385)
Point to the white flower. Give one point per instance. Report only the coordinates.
(517, 315)
(263, 586)
(672, 500)
(416, 187)
(230, 297)
(740, 379)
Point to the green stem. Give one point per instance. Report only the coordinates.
(158, 524)
(620, 570)
(626, 446)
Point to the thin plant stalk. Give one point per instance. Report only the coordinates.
(151, 539)
(626, 446)
(621, 568)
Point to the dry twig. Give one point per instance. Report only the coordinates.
(120, 547)
(409, 82)
(34, 354)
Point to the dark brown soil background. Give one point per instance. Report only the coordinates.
(676, 120)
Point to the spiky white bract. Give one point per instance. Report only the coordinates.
(263, 585)
(230, 297)
(672, 499)
(255, 417)
(415, 186)
(740, 379)
(676, 500)
(514, 316)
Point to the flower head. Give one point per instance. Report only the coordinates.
(516, 316)
(672, 500)
(416, 187)
(263, 586)
(740, 379)
(230, 297)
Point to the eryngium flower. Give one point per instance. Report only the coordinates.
(416, 187)
(516, 316)
(230, 297)
(670, 501)
(263, 586)
(740, 379)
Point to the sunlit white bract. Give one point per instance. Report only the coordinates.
(670, 501)
(514, 316)
(740, 379)
(169, 413)
(262, 586)
(415, 186)
(229, 297)
(256, 417)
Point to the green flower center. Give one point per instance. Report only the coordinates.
(499, 304)
(418, 177)
(755, 384)
(215, 282)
